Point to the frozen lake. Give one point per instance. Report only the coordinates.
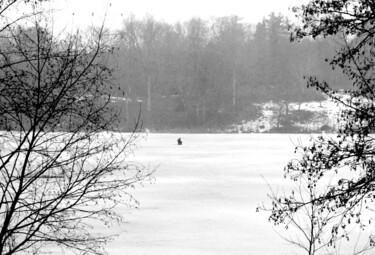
(205, 194)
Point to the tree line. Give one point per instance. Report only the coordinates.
(207, 74)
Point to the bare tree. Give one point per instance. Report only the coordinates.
(299, 210)
(12, 12)
(349, 155)
(62, 163)
(309, 225)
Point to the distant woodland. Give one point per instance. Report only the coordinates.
(207, 74)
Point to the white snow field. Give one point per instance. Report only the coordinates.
(204, 198)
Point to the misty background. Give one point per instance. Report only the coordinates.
(206, 75)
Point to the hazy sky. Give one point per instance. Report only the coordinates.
(87, 11)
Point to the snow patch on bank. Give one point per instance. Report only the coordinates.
(324, 114)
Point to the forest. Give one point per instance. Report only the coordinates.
(204, 75)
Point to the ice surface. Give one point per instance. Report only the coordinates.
(205, 194)
(204, 198)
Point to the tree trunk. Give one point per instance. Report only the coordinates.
(148, 93)
(127, 109)
(204, 112)
(127, 99)
(286, 108)
(234, 101)
(279, 115)
(197, 112)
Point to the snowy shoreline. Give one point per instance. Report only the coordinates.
(321, 117)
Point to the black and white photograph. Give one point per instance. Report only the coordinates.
(173, 127)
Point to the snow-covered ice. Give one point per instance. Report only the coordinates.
(204, 198)
(205, 194)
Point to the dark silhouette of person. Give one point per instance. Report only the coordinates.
(179, 141)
